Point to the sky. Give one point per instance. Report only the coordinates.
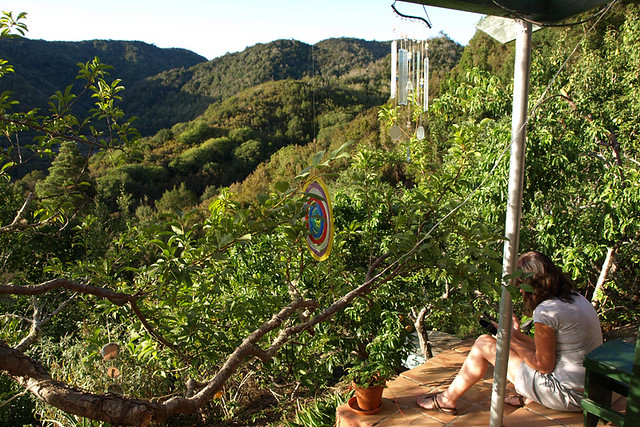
(213, 28)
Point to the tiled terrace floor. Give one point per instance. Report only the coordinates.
(399, 407)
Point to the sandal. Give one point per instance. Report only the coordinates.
(516, 400)
(435, 405)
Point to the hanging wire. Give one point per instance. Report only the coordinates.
(427, 23)
(426, 14)
(541, 24)
(313, 90)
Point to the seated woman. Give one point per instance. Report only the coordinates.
(546, 368)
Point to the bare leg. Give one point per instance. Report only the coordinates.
(473, 370)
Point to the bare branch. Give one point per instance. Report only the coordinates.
(15, 316)
(110, 408)
(18, 222)
(116, 298)
(36, 323)
(120, 410)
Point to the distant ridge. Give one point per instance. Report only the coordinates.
(168, 86)
(156, 99)
(42, 67)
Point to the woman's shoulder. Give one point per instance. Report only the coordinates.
(553, 306)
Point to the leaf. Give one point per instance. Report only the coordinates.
(305, 172)
(281, 186)
(316, 158)
(526, 287)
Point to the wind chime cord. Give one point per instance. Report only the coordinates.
(541, 24)
(507, 146)
(313, 90)
(427, 23)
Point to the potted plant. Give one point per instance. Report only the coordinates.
(368, 380)
(376, 358)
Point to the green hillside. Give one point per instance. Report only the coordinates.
(42, 67)
(251, 121)
(183, 94)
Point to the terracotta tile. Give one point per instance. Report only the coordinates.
(525, 418)
(478, 392)
(619, 403)
(449, 358)
(404, 392)
(570, 419)
(464, 345)
(506, 409)
(409, 417)
(567, 418)
(476, 418)
(489, 374)
(346, 417)
(431, 374)
(464, 407)
(399, 408)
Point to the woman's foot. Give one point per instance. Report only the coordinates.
(436, 402)
(516, 400)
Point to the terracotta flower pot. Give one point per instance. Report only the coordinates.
(370, 398)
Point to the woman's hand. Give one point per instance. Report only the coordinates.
(515, 323)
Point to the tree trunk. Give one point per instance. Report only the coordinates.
(598, 293)
(423, 336)
(110, 408)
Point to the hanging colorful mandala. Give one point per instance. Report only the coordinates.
(319, 220)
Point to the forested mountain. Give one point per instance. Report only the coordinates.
(270, 96)
(169, 86)
(43, 67)
(222, 118)
(183, 94)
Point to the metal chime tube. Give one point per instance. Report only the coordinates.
(426, 83)
(394, 68)
(403, 74)
(418, 92)
(410, 71)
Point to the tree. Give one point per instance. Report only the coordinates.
(68, 177)
(180, 273)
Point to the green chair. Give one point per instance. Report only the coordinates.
(614, 366)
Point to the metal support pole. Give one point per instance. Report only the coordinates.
(514, 212)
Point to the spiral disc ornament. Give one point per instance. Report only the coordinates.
(319, 220)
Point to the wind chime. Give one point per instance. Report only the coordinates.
(410, 78)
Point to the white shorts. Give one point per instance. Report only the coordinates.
(546, 390)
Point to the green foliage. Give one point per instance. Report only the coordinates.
(67, 183)
(17, 408)
(176, 200)
(427, 213)
(319, 413)
(381, 338)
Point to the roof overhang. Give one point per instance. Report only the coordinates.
(542, 11)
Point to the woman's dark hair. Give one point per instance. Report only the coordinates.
(547, 280)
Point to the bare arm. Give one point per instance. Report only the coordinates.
(538, 352)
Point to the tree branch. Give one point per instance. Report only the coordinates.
(152, 331)
(116, 298)
(36, 323)
(120, 410)
(18, 223)
(114, 409)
